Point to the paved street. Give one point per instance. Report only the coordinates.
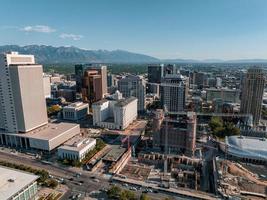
(84, 184)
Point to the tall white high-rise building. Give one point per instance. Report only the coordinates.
(174, 90)
(22, 102)
(47, 85)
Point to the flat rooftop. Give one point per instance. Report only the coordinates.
(124, 102)
(115, 153)
(21, 179)
(222, 89)
(77, 143)
(50, 131)
(76, 105)
(100, 102)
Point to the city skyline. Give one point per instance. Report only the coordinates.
(176, 29)
(133, 99)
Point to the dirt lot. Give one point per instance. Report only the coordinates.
(237, 178)
(136, 172)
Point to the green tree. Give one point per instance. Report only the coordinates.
(144, 197)
(52, 110)
(229, 129)
(221, 129)
(51, 183)
(127, 195)
(114, 192)
(215, 123)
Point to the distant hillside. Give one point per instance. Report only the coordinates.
(50, 54)
(69, 55)
(248, 61)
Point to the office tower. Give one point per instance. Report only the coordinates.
(199, 79)
(21, 93)
(155, 73)
(133, 86)
(91, 86)
(252, 93)
(225, 94)
(185, 72)
(218, 82)
(170, 69)
(112, 80)
(91, 81)
(174, 91)
(79, 72)
(181, 134)
(102, 70)
(214, 82)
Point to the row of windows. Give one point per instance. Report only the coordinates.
(69, 114)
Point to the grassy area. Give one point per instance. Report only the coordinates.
(68, 162)
(99, 146)
(116, 192)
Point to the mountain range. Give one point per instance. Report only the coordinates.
(48, 54)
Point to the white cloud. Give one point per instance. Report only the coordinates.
(70, 36)
(38, 28)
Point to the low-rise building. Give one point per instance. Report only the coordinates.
(115, 113)
(17, 185)
(45, 138)
(75, 111)
(76, 148)
(247, 149)
(227, 95)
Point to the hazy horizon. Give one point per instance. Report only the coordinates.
(184, 29)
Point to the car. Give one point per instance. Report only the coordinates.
(149, 190)
(103, 189)
(125, 185)
(81, 181)
(71, 179)
(96, 180)
(262, 176)
(61, 179)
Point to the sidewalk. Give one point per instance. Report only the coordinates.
(180, 192)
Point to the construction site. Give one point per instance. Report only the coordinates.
(181, 171)
(236, 181)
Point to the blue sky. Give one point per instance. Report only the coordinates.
(198, 29)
